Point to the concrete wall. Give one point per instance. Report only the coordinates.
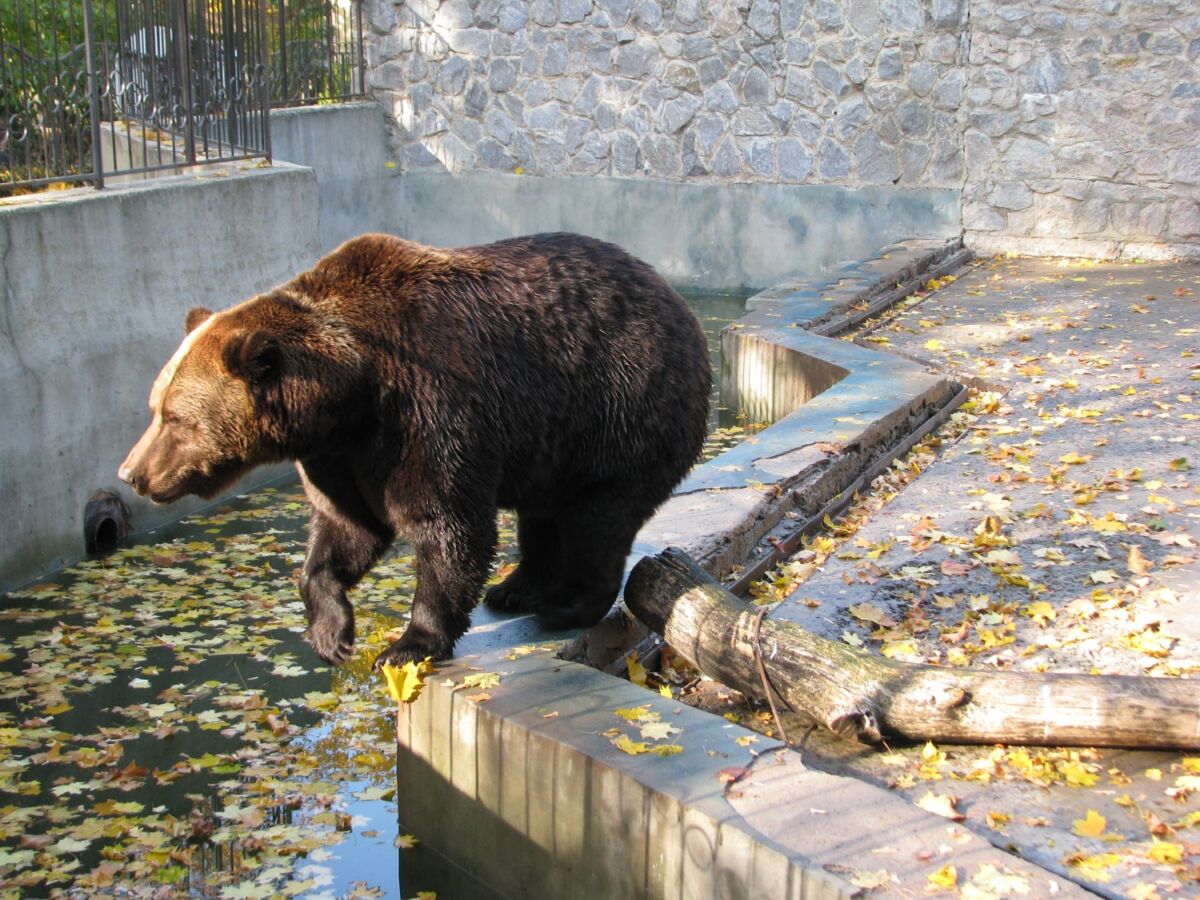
(1067, 126)
(345, 145)
(711, 236)
(94, 287)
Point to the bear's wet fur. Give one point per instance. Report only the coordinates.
(419, 390)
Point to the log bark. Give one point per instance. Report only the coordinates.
(870, 698)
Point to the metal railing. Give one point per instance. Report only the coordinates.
(101, 89)
(316, 51)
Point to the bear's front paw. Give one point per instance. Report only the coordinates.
(332, 637)
(414, 645)
(516, 594)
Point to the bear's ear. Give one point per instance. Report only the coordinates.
(252, 356)
(197, 315)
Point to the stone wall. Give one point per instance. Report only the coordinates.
(1066, 123)
(725, 90)
(1080, 120)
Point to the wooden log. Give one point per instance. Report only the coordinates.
(858, 694)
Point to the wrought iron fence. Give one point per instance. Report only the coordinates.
(316, 51)
(96, 89)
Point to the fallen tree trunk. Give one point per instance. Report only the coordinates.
(858, 694)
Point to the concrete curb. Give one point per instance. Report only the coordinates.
(533, 769)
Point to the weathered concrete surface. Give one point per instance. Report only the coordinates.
(721, 237)
(345, 144)
(1086, 468)
(726, 506)
(95, 287)
(527, 772)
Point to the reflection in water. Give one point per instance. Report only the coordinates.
(164, 729)
(162, 725)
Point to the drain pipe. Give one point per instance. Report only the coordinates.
(781, 550)
(105, 523)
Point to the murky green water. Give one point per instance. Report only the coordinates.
(164, 730)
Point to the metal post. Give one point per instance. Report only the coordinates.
(89, 41)
(360, 57)
(329, 48)
(283, 53)
(264, 56)
(183, 71)
(230, 75)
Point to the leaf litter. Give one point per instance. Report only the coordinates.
(1063, 537)
(165, 731)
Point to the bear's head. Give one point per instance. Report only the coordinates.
(251, 385)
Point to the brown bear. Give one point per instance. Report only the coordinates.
(421, 389)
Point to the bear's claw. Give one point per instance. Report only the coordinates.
(331, 640)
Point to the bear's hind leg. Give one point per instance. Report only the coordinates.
(539, 570)
(598, 533)
(339, 554)
(453, 557)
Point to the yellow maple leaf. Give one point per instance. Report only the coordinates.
(902, 650)
(1165, 852)
(1092, 825)
(945, 877)
(1077, 774)
(933, 344)
(1074, 459)
(625, 744)
(406, 682)
(666, 749)
(637, 672)
(1041, 612)
(637, 713)
(1136, 563)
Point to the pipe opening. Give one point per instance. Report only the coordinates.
(105, 523)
